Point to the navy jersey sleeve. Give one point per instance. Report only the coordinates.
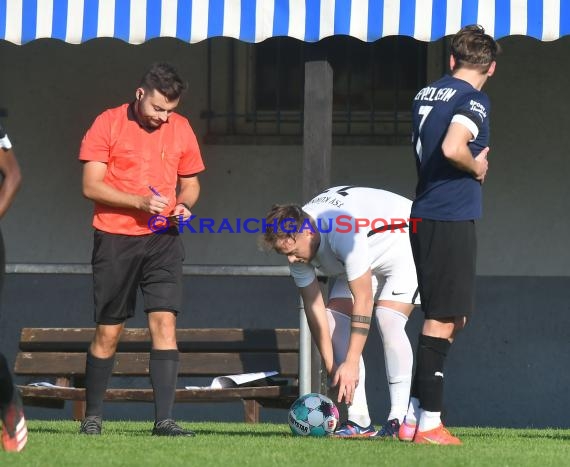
(473, 113)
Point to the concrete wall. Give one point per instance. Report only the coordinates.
(509, 355)
(53, 91)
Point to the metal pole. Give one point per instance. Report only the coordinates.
(304, 351)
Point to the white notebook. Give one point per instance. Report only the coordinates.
(234, 381)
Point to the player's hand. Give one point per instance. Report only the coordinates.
(481, 165)
(153, 204)
(330, 374)
(346, 377)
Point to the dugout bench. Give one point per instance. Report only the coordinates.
(59, 354)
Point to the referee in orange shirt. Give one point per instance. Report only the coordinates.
(134, 158)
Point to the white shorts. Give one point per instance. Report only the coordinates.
(395, 280)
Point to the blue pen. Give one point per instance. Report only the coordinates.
(153, 189)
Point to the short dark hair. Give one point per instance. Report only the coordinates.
(163, 78)
(283, 221)
(472, 48)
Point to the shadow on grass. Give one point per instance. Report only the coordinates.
(265, 434)
(563, 435)
(555, 436)
(127, 431)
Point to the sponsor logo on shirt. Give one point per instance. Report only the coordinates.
(478, 108)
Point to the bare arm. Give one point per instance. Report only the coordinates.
(347, 373)
(315, 311)
(12, 179)
(457, 152)
(95, 189)
(189, 192)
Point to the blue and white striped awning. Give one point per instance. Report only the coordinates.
(137, 21)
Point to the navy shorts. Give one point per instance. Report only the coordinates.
(122, 263)
(445, 256)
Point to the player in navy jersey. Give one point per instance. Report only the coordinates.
(450, 141)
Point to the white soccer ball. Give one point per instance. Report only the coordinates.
(313, 415)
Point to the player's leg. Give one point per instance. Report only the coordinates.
(391, 318)
(339, 310)
(115, 282)
(98, 369)
(445, 255)
(395, 301)
(14, 429)
(161, 285)
(433, 346)
(6, 383)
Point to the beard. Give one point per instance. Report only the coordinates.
(145, 120)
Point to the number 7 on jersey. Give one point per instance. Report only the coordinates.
(424, 111)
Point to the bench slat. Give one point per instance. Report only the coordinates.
(33, 394)
(189, 340)
(136, 364)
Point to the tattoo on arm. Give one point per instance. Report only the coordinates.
(358, 330)
(361, 319)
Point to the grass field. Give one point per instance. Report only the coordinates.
(56, 443)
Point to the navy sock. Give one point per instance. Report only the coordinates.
(163, 369)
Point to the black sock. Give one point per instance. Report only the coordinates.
(163, 369)
(6, 383)
(414, 389)
(428, 381)
(97, 374)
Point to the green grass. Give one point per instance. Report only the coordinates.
(57, 443)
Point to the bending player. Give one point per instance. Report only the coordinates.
(373, 269)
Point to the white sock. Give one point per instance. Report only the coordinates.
(429, 420)
(339, 325)
(399, 358)
(414, 411)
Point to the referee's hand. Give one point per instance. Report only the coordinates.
(154, 204)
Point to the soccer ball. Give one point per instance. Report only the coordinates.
(313, 415)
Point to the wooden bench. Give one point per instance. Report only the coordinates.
(59, 354)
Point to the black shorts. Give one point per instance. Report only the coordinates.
(122, 263)
(445, 256)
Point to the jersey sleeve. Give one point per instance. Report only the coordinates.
(473, 112)
(191, 160)
(96, 143)
(351, 248)
(303, 274)
(4, 140)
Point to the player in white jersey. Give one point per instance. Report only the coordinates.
(359, 237)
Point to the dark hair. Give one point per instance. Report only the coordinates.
(472, 48)
(283, 221)
(163, 78)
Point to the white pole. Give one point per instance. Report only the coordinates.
(304, 351)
